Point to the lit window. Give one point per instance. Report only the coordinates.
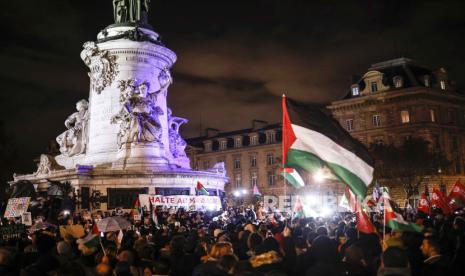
(238, 180)
(238, 142)
(271, 178)
(405, 116)
(254, 178)
(398, 82)
(432, 115)
(350, 124)
(223, 144)
(254, 140)
(269, 159)
(443, 85)
(374, 86)
(376, 120)
(355, 91)
(208, 146)
(427, 81)
(253, 161)
(237, 163)
(270, 137)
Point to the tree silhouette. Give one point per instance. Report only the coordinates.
(407, 165)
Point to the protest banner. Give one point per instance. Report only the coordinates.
(211, 203)
(16, 207)
(13, 231)
(76, 231)
(26, 218)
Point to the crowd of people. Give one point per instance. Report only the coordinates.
(235, 242)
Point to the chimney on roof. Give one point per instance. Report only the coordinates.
(257, 124)
(210, 132)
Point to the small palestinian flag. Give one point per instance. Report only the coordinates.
(89, 241)
(256, 192)
(201, 189)
(395, 220)
(299, 209)
(456, 196)
(293, 177)
(313, 140)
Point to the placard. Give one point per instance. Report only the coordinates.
(26, 218)
(13, 231)
(210, 203)
(76, 231)
(16, 207)
(137, 217)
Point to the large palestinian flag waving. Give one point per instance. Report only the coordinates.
(312, 140)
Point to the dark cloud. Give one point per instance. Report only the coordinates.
(235, 57)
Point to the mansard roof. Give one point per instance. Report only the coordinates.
(412, 74)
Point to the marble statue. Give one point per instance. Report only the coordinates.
(177, 144)
(130, 10)
(165, 80)
(102, 64)
(219, 168)
(74, 140)
(138, 116)
(45, 165)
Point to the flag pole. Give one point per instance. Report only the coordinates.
(384, 219)
(283, 161)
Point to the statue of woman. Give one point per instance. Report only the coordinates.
(74, 140)
(138, 117)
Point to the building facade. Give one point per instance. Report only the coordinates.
(251, 157)
(399, 99)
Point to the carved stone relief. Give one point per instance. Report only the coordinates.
(177, 144)
(102, 64)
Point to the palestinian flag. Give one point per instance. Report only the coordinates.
(293, 177)
(348, 200)
(201, 189)
(438, 200)
(423, 204)
(89, 241)
(395, 220)
(456, 196)
(313, 140)
(136, 210)
(256, 192)
(299, 209)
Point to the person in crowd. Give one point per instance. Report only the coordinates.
(235, 242)
(394, 262)
(435, 263)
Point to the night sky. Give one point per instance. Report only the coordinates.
(235, 58)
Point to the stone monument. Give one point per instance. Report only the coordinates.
(124, 138)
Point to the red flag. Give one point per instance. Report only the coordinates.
(456, 198)
(95, 229)
(440, 201)
(288, 133)
(423, 205)
(351, 199)
(364, 224)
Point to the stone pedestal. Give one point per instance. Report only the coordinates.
(125, 139)
(143, 156)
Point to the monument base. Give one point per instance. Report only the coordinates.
(119, 187)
